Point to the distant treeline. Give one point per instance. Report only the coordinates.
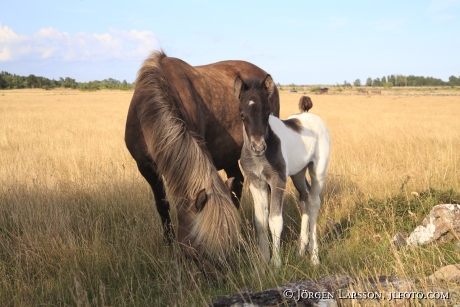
(401, 80)
(12, 81)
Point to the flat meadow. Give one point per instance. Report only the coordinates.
(78, 226)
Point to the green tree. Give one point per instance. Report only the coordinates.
(377, 82)
(70, 83)
(31, 81)
(392, 79)
(357, 82)
(453, 81)
(369, 81)
(2, 82)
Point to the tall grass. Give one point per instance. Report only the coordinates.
(78, 225)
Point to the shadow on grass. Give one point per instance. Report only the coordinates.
(110, 238)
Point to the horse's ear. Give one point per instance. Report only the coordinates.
(229, 183)
(200, 201)
(238, 87)
(269, 84)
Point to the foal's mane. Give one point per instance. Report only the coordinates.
(184, 161)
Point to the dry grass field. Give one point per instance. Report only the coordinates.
(78, 226)
(380, 143)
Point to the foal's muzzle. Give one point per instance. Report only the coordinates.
(258, 148)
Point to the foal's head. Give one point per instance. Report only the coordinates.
(255, 110)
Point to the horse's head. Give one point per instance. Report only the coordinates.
(255, 110)
(209, 227)
(305, 104)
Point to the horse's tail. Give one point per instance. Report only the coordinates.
(305, 104)
(183, 159)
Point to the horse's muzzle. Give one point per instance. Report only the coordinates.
(258, 149)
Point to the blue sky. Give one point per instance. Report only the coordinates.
(302, 42)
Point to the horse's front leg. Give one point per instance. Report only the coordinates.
(259, 191)
(278, 187)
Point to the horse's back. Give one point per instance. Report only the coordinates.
(203, 95)
(227, 71)
(235, 68)
(313, 123)
(297, 145)
(318, 128)
(301, 146)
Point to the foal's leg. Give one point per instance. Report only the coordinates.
(259, 191)
(317, 174)
(303, 188)
(276, 218)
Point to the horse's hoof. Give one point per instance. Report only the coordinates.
(276, 263)
(301, 252)
(315, 260)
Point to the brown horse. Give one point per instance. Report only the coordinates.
(183, 126)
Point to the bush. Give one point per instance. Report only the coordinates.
(90, 86)
(388, 84)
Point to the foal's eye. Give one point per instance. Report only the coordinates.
(242, 115)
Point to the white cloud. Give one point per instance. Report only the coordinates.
(5, 54)
(7, 35)
(50, 43)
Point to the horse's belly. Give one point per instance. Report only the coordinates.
(224, 152)
(299, 154)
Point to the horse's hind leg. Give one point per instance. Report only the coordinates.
(148, 170)
(317, 174)
(303, 188)
(237, 186)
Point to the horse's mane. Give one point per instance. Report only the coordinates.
(184, 161)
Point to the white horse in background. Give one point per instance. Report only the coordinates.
(274, 149)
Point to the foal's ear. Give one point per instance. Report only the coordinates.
(238, 87)
(269, 84)
(200, 201)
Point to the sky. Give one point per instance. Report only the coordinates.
(300, 42)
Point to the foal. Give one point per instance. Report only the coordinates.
(273, 150)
